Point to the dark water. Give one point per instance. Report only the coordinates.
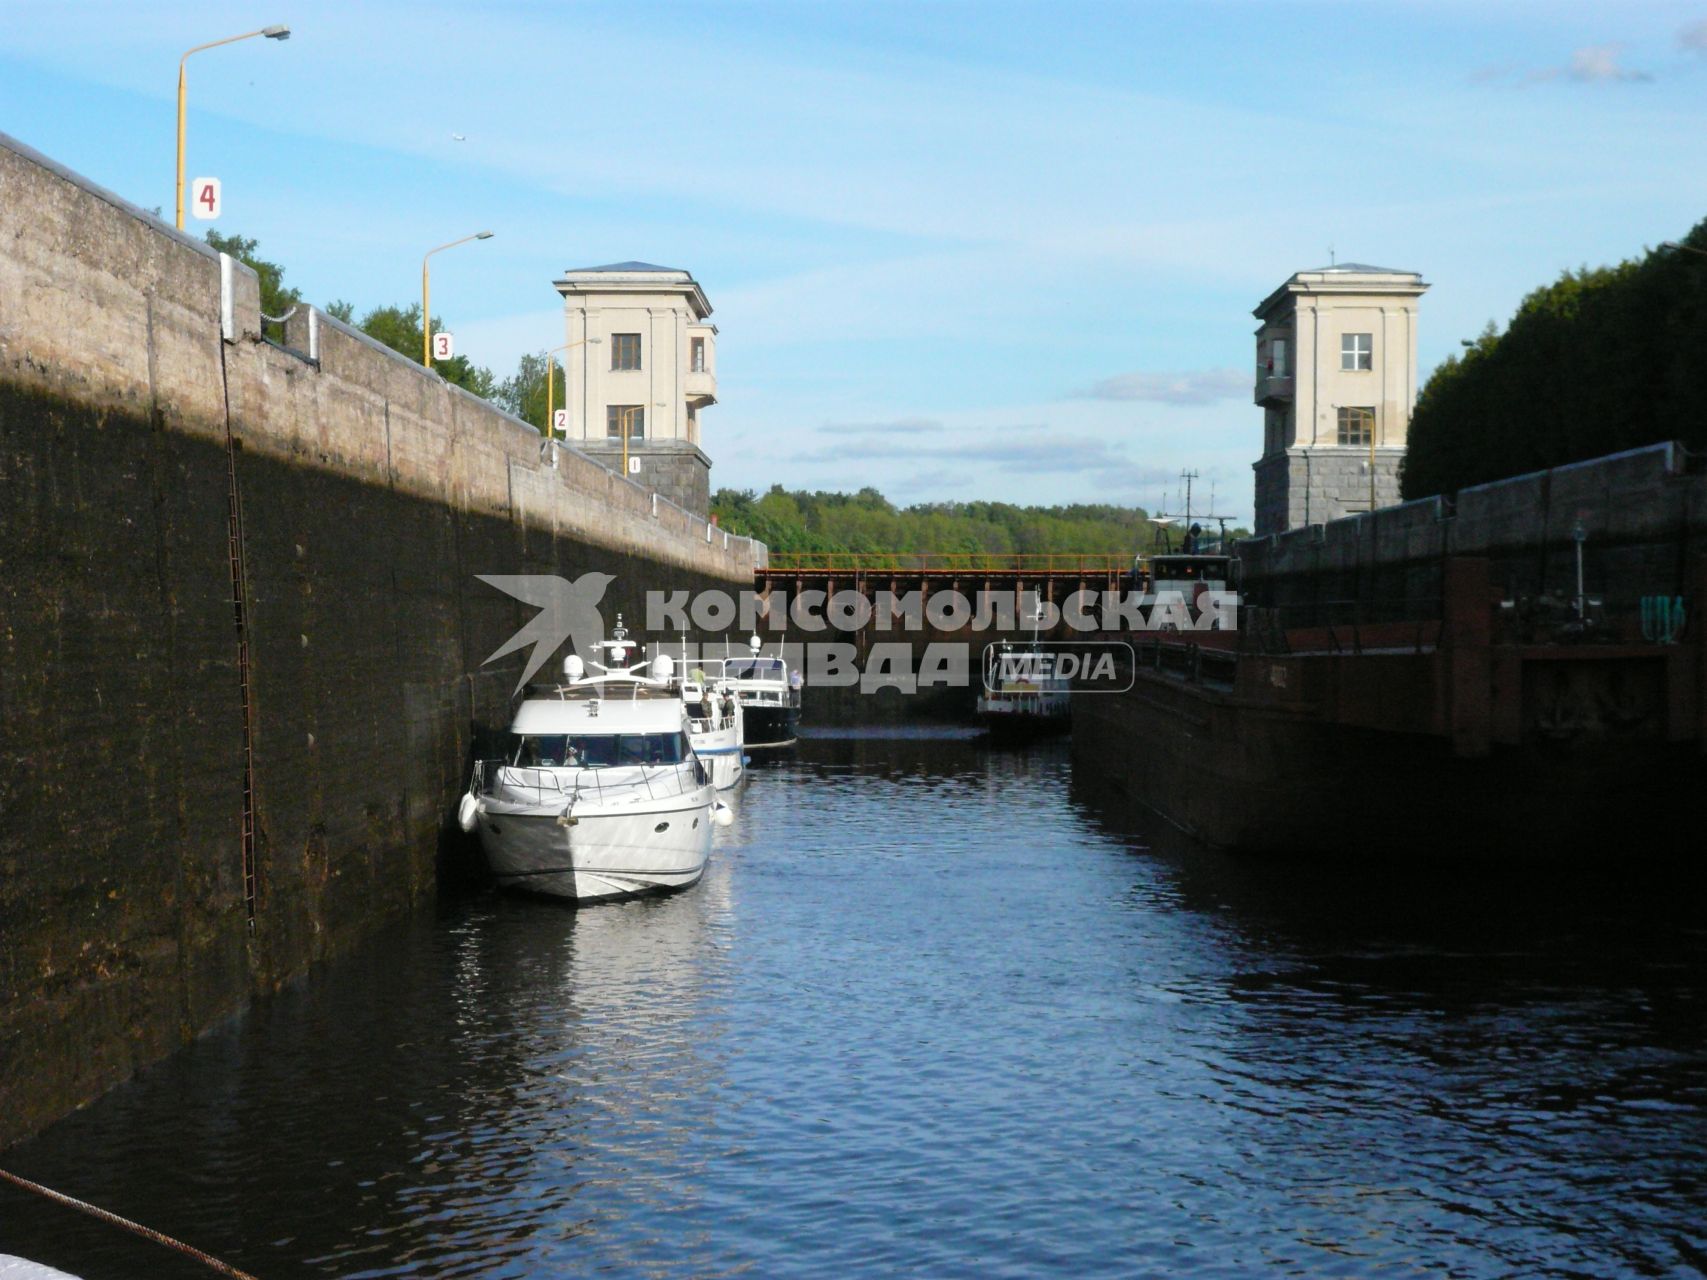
(942, 1012)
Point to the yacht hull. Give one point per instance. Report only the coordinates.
(771, 725)
(719, 750)
(599, 854)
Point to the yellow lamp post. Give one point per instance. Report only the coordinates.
(271, 33)
(427, 295)
(551, 382)
(627, 418)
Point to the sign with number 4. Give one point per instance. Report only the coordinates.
(444, 346)
(205, 198)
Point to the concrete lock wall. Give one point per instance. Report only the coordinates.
(134, 911)
(1643, 514)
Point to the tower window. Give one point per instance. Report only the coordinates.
(633, 414)
(1357, 351)
(625, 351)
(1357, 426)
(699, 355)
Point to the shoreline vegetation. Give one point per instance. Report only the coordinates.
(867, 522)
(1602, 360)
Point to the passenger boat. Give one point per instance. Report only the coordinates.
(716, 725)
(768, 693)
(1023, 697)
(599, 793)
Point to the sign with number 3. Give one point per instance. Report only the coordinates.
(444, 346)
(205, 198)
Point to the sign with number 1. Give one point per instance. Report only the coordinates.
(205, 198)
(444, 346)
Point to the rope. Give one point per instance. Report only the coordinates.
(136, 1228)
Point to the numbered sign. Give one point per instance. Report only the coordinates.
(634, 466)
(205, 198)
(444, 346)
(560, 421)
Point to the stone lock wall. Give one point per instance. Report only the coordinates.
(238, 594)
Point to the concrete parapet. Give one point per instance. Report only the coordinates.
(1642, 513)
(242, 640)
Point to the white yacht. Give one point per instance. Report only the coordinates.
(600, 793)
(716, 725)
(768, 692)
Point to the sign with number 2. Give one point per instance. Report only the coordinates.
(205, 198)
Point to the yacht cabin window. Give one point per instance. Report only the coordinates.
(596, 750)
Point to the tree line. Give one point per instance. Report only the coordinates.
(866, 521)
(523, 393)
(1601, 360)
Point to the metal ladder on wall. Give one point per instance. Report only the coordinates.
(234, 546)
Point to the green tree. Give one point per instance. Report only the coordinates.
(275, 298)
(1602, 360)
(523, 393)
(867, 522)
(400, 329)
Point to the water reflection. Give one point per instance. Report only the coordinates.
(942, 1010)
(1500, 1069)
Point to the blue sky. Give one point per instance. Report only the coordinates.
(955, 250)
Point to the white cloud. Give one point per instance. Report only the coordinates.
(899, 427)
(1201, 386)
(1595, 64)
(1694, 37)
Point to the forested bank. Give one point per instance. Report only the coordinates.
(795, 520)
(1601, 360)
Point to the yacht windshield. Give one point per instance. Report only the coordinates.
(754, 669)
(596, 750)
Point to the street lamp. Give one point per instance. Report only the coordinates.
(1672, 244)
(551, 382)
(271, 33)
(427, 297)
(627, 418)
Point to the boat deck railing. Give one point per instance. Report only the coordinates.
(545, 785)
(699, 724)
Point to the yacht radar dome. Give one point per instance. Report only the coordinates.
(755, 644)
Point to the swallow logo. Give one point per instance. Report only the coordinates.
(567, 611)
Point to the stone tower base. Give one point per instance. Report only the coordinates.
(676, 469)
(1313, 486)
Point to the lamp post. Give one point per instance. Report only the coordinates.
(271, 33)
(628, 417)
(1372, 464)
(427, 295)
(551, 382)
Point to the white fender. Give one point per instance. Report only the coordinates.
(722, 814)
(467, 811)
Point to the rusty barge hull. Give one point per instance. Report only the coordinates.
(1269, 780)
(1444, 738)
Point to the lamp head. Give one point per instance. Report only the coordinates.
(482, 235)
(276, 33)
